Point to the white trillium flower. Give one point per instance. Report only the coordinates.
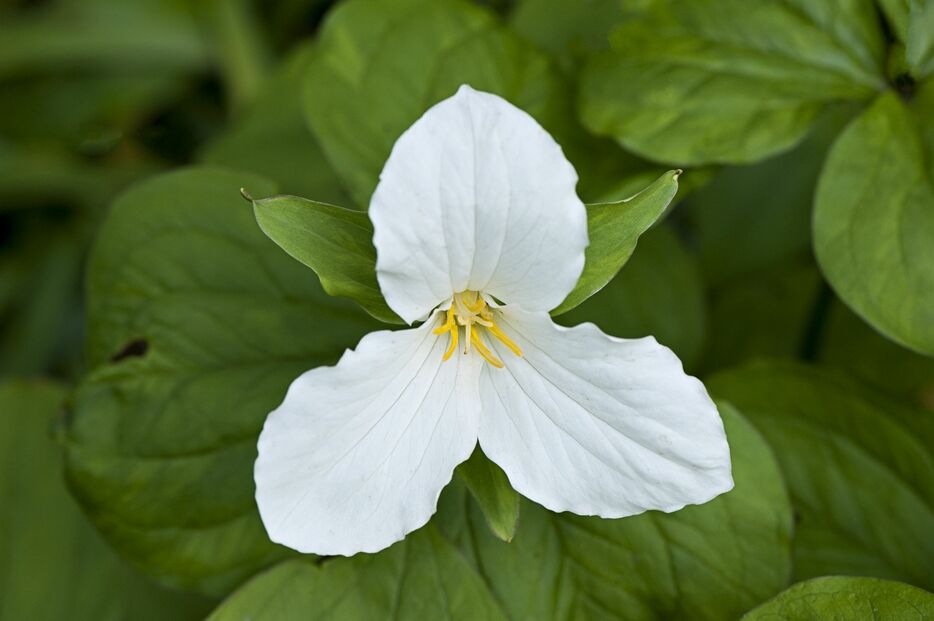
(479, 232)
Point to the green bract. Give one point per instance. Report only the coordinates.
(659, 292)
(614, 229)
(858, 465)
(337, 242)
(874, 218)
(695, 81)
(495, 497)
(197, 325)
(854, 599)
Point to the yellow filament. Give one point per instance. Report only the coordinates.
(505, 340)
(449, 326)
(470, 310)
(483, 351)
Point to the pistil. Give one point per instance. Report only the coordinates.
(470, 311)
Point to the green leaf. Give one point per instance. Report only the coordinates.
(854, 599)
(52, 564)
(685, 80)
(422, 577)
(713, 561)
(493, 493)
(850, 344)
(874, 219)
(919, 45)
(272, 139)
(336, 243)
(752, 218)
(412, 54)
(614, 230)
(659, 293)
(197, 325)
(859, 467)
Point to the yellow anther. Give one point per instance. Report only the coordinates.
(470, 310)
(483, 351)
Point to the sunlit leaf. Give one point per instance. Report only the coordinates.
(853, 599)
(874, 218)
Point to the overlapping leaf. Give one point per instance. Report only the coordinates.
(874, 218)
(859, 468)
(691, 81)
(197, 325)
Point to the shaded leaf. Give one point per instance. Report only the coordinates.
(713, 561)
(161, 445)
(859, 468)
(422, 577)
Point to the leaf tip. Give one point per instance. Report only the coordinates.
(246, 195)
(677, 173)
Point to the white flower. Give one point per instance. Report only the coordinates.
(479, 232)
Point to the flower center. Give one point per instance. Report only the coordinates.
(471, 312)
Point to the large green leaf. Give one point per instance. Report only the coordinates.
(859, 468)
(272, 139)
(659, 292)
(694, 81)
(854, 599)
(614, 229)
(713, 561)
(336, 243)
(53, 565)
(422, 577)
(874, 218)
(197, 325)
(378, 66)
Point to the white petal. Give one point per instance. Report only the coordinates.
(597, 425)
(357, 454)
(477, 196)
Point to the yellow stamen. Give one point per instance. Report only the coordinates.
(483, 351)
(470, 310)
(452, 346)
(505, 340)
